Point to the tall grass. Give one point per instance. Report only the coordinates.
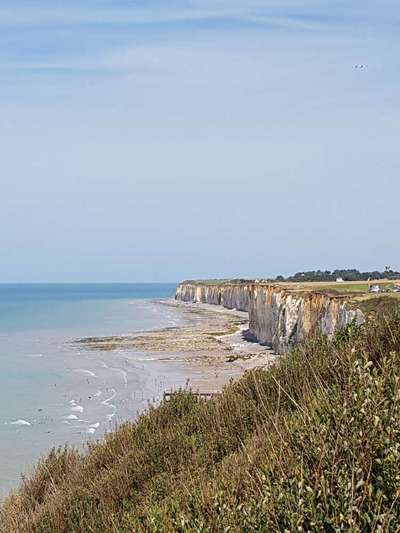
(313, 444)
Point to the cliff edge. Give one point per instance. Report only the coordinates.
(280, 315)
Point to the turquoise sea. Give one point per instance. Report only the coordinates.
(51, 390)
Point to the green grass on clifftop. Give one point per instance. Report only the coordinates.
(343, 288)
(313, 444)
(205, 282)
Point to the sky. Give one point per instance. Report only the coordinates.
(167, 140)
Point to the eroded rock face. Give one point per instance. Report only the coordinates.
(278, 316)
(232, 295)
(284, 319)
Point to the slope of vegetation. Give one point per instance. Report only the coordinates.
(373, 305)
(313, 444)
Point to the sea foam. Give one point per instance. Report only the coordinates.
(20, 422)
(71, 417)
(84, 371)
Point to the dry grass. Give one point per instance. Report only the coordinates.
(313, 444)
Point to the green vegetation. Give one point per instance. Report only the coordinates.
(349, 274)
(215, 281)
(371, 304)
(343, 288)
(313, 444)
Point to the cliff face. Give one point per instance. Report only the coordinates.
(283, 319)
(232, 295)
(278, 316)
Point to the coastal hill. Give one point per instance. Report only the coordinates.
(310, 444)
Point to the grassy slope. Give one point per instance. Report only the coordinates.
(377, 305)
(312, 444)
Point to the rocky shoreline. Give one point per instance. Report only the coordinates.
(211, 349)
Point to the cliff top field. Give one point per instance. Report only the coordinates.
(339, 287)
(312, 444)
(347, 288)
(216, 282)
(356, 293)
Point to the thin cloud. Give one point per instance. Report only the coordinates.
(282, 14)
(297, 23)
(299, 13)
(67, 16)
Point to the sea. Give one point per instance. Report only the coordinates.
(54, 391)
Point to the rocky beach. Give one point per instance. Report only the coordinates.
(211, 349)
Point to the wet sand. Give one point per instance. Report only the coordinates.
(210, 350)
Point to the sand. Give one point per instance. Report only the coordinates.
(211, 349)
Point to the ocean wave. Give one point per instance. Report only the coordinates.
(123, 373)
(108, 400)
(71, 417)
(77, 409)
(20, 422)
(84, 371)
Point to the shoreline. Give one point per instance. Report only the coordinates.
(209, 351)
(61, 394)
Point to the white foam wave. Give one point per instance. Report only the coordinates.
(108, 400)
(123, 373)
(34, 355)
(84, 371)
(95, 425)
(77, 409)
(20, 422)
(71, 417)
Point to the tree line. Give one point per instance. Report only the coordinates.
(350, 274)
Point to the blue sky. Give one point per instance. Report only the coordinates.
(151, 141)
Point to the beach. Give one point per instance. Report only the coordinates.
(79, 360)
(54, 392)
(210, 350)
